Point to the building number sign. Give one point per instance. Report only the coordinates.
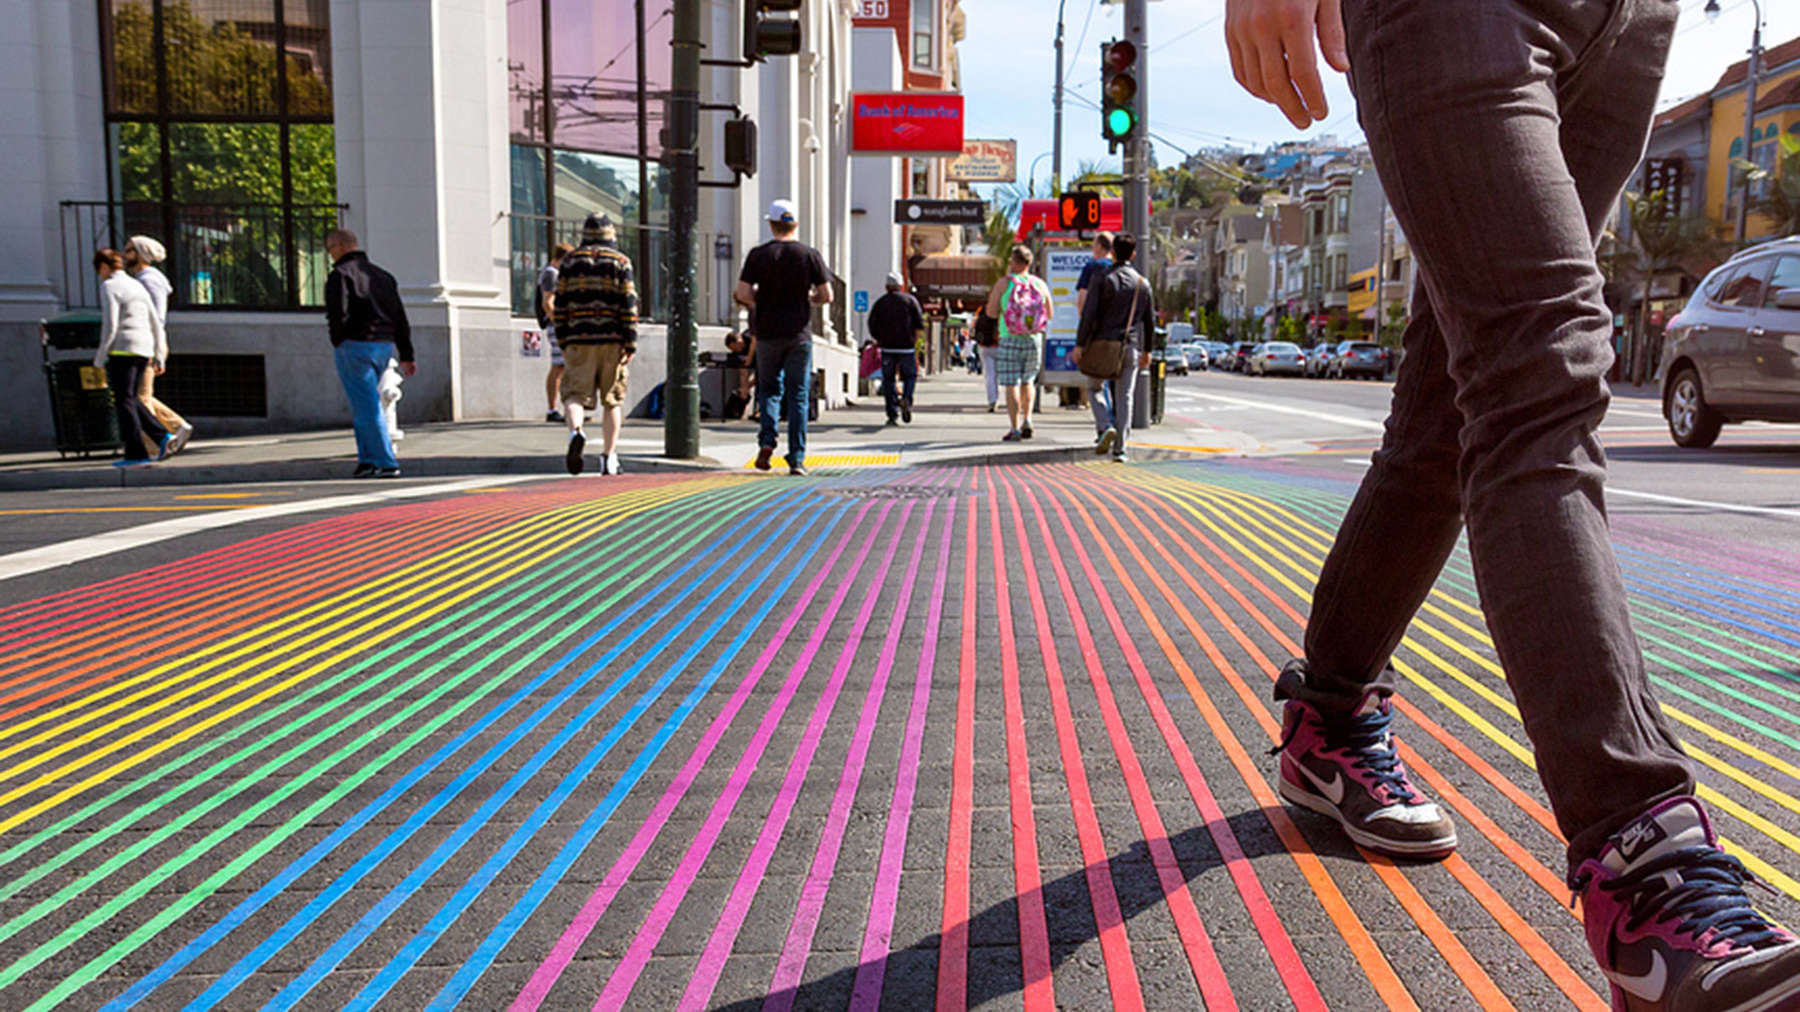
(873, 9)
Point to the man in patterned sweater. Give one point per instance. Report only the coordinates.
(596, 327)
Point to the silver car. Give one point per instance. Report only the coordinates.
(1733, 353)
(1278, 357)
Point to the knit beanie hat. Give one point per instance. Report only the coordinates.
(598, 228)
(147, 249)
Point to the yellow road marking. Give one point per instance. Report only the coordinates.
(220, 495)
(839, 460)
(74, 510)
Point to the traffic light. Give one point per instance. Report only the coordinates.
(740, 145)
(769, 30)
(1079, 211)
(1118, 93)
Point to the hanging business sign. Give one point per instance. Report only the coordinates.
(940, 212)
(985, 162)
(906, 123)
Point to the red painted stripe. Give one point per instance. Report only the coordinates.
(1034, 932)
(953, 935)
(1299, 984)
(1115, 944)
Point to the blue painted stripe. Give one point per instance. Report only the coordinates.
(472, 968)
(296, 989)
(275, 886)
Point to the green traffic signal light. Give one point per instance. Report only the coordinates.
(1119, 123)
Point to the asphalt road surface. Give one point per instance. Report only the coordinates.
(946, 737)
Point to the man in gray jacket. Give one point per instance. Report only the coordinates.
(1119, 307)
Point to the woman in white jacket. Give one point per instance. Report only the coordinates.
(131, 341)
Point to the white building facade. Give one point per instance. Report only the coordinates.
(459, 138)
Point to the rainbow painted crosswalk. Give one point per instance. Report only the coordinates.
(885, 738)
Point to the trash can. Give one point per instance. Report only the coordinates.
(81, 406)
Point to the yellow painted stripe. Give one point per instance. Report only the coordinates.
(78, 510)
(360, 640)
(838, 460)
(222, 495)
(1510, 744)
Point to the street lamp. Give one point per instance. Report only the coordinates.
(1031, 176)
(1755, 68)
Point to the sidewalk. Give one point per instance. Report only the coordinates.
(950, 423)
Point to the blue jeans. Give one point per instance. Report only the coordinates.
(783, 389)
(359, 366)
(899, 377)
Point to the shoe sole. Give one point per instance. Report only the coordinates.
(177, 441)
(572, 459)
(1108, 440)
(1297, 795)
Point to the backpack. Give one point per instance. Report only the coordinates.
(1027, 311)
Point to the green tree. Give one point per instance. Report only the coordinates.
(1662, 242)
(999, 237)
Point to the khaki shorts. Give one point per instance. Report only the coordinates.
(594, 372)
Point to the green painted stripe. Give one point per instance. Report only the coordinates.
(146, 931)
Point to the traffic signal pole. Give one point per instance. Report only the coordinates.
(1056, 159)
(1137, 177)
(681, 390)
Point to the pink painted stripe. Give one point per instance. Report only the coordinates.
(750, 878)
(878, 936)
(791, 966)
(561, 953)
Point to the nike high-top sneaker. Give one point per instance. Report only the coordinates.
(1346, 767)
(1669, 922)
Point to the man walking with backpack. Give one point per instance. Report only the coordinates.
(596, 325)
(1020, 302)
(896, 321)
(782, 280)
(1112, 344)
(1537, 111)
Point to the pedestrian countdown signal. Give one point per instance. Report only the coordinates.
(1079, 211)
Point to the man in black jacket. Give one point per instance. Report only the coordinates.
(368, 329)
(895, 323)
(1119, 307)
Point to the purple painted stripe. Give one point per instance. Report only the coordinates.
(750, 878)
(878, 936)
(563, 951)
(792, 964)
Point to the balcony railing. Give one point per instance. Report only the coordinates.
(263, 257)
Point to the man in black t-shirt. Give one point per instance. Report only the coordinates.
(895, 324)
(782, 280)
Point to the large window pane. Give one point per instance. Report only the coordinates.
(593, 74)
(132, 51)
(225, 163)
(308, 57)
(312, 161)
(220, 56)
(588, 183)
(659, 32)
(137, 161)
(532, 233)
(525, 69)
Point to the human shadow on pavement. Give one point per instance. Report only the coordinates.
(1069, 915)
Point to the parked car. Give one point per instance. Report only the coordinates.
(1358, 358)
(1218, 354)
(1733, 352)
(1174, 362)
(1318, 358)
(1278, 357)
(1240, 355)
(1196, 355)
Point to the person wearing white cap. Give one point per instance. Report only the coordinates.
(895, 324)
(781, 281)
(142, 254)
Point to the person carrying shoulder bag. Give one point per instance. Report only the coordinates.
(1112, 344)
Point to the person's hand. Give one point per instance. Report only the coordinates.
(1143, 360)
(157, 366)
(626, 357)
(1272, 57)
(409, 369)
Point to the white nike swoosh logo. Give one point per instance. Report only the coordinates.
(1647, 986)
(1332, 789)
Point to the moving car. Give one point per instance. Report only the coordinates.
(1174, 362)
(1358, 358)
(1278, 357)
(1196, 355)
(1733, 352)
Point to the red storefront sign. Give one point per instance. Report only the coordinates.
(906, 123)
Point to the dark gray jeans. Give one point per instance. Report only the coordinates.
(1504, 132)
(1111, 399)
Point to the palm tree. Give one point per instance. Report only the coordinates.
(1781, 204)
(999, 237)
(1088, 170)
(1663, 242)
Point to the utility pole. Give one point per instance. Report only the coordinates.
(1056, 159)
(1755, 68)
(1381, 261)
(1137, 178)
(681, 391)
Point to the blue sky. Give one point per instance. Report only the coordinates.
(1008, 71)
